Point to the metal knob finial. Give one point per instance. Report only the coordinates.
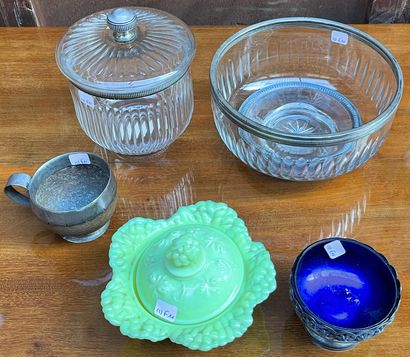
(123, 22)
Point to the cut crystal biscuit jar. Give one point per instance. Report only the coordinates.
(194, 278)
(129, 77)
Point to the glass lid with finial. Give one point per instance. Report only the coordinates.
(194, 278)
(126, 52)
(197, 269)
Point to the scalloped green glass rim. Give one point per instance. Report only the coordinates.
(119, 302)
(305, 140)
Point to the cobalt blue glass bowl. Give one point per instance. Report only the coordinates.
(344, 292)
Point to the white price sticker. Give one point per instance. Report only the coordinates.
(340, 37)
(86, 98)
(79, 159)
(165, 310)
(334, 249)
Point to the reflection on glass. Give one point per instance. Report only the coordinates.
(344, 224)
(95, 282)
(155, 206)
(162, 205)
(150, 186)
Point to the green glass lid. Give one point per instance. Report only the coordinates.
(194, 278)
(197, 270)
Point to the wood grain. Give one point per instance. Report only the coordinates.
(50, 289)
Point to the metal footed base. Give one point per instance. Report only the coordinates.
(89, 237)
(330, 344)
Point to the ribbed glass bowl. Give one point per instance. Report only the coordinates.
(303, 98)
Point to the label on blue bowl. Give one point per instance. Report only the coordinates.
(334, 249)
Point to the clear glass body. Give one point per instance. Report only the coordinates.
(138, 126)
(302, 98)
(132, 66)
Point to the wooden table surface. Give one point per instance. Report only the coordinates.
(50, 289)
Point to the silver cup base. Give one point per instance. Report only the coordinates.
(88, 237)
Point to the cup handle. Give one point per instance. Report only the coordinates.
(19, 180)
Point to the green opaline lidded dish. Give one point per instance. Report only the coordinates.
(194, 278)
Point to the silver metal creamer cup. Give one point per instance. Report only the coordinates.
(74, 194)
